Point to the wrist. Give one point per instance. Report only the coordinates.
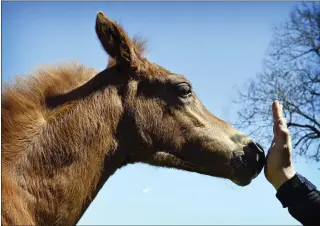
(294, 189)
(282, 176)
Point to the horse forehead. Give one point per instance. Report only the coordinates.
(179, 77)
(155, 70)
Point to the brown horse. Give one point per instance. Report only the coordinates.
(67, 129)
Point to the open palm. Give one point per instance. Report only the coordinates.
(279, 167)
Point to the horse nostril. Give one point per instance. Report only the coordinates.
(256, 146)
(257, 155)
(260, 147)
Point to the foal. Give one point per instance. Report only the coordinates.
(66, 130)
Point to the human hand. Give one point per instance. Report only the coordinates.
(279, 168)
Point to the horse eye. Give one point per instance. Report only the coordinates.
(183, 89)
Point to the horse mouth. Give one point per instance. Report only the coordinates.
(239, 173)
(246, 167)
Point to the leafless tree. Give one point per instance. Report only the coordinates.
(291, 74)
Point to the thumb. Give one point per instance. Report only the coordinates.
(283, 131)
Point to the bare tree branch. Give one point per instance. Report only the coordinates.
(291, 74)
(305, 126)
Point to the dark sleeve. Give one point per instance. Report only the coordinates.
(302, 199)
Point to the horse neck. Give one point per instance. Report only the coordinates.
(71, 159)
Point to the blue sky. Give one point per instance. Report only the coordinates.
(216, 45)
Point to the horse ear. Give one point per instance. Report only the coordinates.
(115, 41)
(140, 45)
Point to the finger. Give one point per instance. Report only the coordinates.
(275, 132)
(272, 142)
(279, 120)
(277, 111)
(283, 131)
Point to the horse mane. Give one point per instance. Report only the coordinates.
(23, 103)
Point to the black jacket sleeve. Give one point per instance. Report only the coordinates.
(302, 199)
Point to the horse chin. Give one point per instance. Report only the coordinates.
(167, 159)
(241, 183)
(177, 161)
(243, 178)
